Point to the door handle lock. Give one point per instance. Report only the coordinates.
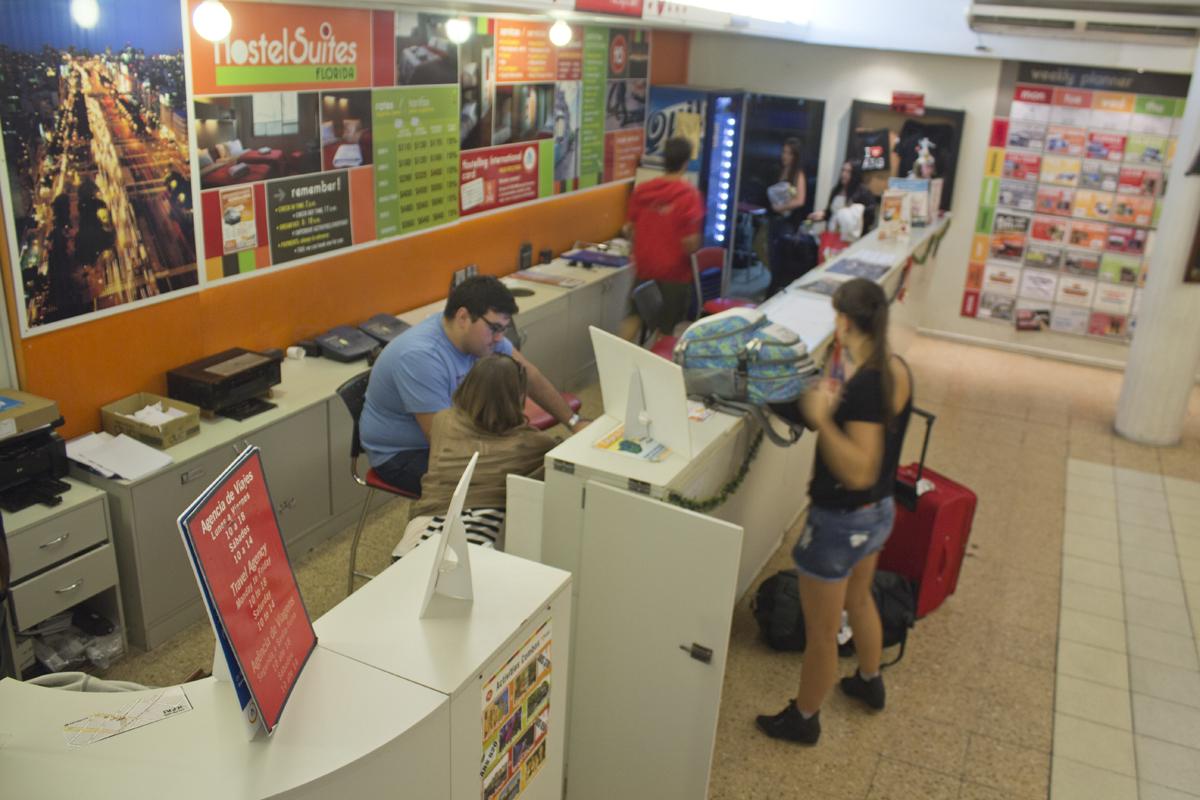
(699, 652)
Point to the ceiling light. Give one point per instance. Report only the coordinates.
(560, 34)
(212, 20)
(458, 29)
(86, 13)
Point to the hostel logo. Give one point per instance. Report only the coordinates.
(292, 47)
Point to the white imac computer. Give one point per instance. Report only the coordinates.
(643, 390)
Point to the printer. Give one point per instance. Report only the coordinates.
(230, 384)
(33, 458)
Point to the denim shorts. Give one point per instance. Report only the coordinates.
(835, 540)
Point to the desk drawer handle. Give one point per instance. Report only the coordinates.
(191, 475)
(286, 505)
(70, 588)
(54, 542)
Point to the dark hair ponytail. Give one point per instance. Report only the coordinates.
(865, 304)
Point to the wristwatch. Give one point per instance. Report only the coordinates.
(574, 420)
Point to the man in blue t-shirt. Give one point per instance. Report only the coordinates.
(416, 374)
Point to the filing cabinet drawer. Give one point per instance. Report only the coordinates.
(57, 539)
(62, 587)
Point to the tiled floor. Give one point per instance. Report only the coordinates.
(1127, 705)
(972, 707)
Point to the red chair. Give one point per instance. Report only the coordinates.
(648, 301)
(354, 394)
(542, 419)
(710, 273)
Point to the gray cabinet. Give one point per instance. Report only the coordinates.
(295, 455)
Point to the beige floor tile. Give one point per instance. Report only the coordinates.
(1159, 541)
(1090, 506)
(1153, 587)
(1189, 569)
(1146, 517)
(1091, 487)
(1150, 561)
(896, 780)
(1150, 498)
(1178, 651)
(1071, 780)
(1185, 525)
(1103, 576)
(1183, 488)
(1092, 549)
(1076, 524)
(1094, 664)
(1094, 744)
(1167, 617)
(1164, 681)
(1167, 764)
(1019, 771)
(1184, 504)
(1102, 602)
(1092, 701)
(1091, 470)
(1138, 478)
(1187, 546)
(1080, 626)
(1163, 719)
(1152, 791)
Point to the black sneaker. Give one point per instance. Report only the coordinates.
(870, 692)
(790, 724)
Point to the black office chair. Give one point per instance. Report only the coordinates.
(354, 394)
(648, 303)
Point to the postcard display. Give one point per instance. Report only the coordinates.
(1072, 192)
(347, 126)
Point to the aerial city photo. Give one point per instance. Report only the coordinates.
(95, 136)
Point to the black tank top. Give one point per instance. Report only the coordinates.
(863, 401)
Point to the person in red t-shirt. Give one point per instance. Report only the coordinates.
(665, 216)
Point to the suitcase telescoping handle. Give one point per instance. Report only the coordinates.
(906, 494)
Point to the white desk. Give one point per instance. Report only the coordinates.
(348, 730)
(461, 646)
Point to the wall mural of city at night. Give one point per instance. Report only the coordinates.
(93, 110)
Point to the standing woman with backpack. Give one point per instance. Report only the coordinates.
(860, 431)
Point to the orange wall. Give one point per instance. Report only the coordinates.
(669, 57)
(86, 366)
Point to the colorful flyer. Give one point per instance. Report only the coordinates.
(1017, 194)
(1056, 200)
(1041, 256)
(1123, 239)
(592, 94)
(516, 719)
(308, 215)
(1007, 246)
(1001, 279)
(1103, 323)
(232, 536)
(1093, 205)
(1085, 263)
(1118, 268)
(238, 230)
(622, 152)
(1021, 166)
(1099, 176)
(1144, 148)
(1140, 181)
(645, 448)
(1128, 210)
(1105, 146)
(1007, 222)
(1032, 315)
(1049, 229)
(1060, 171)
(1038, 285)
(1062, 140)
(524, 53)
(1069, 319)
(1074, 291)
(1089, 235)
(1026, 135)
(996, 306)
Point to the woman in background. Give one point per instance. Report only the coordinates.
(487, 416)
(788, 262)
(848, 191)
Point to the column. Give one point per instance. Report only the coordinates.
(1165, 354)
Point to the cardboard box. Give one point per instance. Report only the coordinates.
(112, 417)
(21, 412)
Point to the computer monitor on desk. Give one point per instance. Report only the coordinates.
(643, 390)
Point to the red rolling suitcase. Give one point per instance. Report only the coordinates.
(929, 538)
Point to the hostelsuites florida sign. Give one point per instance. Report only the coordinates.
(278, 47)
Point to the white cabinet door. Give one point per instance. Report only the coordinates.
(643, 711)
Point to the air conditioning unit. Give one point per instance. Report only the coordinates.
(1160, 22)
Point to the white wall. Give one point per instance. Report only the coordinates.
(839, 76)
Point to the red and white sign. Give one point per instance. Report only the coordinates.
(623, 8)
(498, 176)
(244, 569)
(622, 153)
(909, 103)
(1033, 94)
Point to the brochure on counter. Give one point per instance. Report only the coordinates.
(645, 448)
(264, 634)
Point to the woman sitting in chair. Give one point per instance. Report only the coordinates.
(487, 416)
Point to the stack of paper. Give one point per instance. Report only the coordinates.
(116, 456)
(155, 416)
